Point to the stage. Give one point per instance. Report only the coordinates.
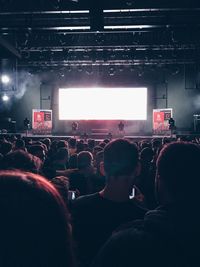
(134, 138)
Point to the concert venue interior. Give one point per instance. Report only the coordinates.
(99, 133)
(101, 53)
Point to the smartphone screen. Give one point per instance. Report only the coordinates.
(71, 195)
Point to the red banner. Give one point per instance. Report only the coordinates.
(160, 120)
(42, 121)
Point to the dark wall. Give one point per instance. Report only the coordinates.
(166, 89)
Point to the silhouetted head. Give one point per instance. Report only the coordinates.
(72, 142)
(84, 160)
(62, 154)
(146, 155)
(34, 225)
(5, 148)
(47, 142)
(178, 177)
(21, 160)
(38, 151)
(20, 144)
(120, 158)
(62, 143)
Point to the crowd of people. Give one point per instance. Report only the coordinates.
(109, 203)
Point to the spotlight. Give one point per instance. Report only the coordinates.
(5, 79)
(5, 98)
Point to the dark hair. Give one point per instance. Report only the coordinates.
(61, 154)
(178, 166)
(37, 150)
(62, 143)
(91, 143)
(19, 144)
(84, 159)
(72, 142)
(120, 157)
(34, 225)
(146, 154)
(80, 146)
(5, 148)
(21, 160)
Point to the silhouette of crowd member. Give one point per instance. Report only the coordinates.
(80, 146)
(47, 142)
(60, 159)
(21, 160)
(96, 150)
(168, 235)
(38, 151)
(102, 144)
(74, 127)
(62, 143)
(91, 144)
(72, 146)
(83, 178)
(5, 147)
(121, 128)
(20, 144)
(34, 225)
(96, 216)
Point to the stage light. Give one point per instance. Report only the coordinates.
(5, 79)
(5, 98)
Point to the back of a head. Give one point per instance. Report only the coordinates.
(19, 144)
(120, 158)
(34, 225)
(84, 159)
(21, 160)
(62, 154)
(62, 143)
(80, 146)
(178, 170)
(72, 142)
(5, 148)
(146, 155)
(91, 143)
(38, 151)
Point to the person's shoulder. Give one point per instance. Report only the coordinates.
(86, 199)
(136, 207)
(118, 250)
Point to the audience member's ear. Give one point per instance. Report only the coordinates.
(102, 170)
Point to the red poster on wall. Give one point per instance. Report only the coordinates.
(42, 121)
(160, 120)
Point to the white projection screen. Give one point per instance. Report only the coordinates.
(103, 103)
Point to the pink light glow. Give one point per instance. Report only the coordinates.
(103, 103)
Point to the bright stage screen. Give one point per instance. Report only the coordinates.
(103, 103)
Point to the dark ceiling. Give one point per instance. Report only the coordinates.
(88, 32)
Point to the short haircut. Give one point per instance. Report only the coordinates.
(62, 154)
(120, 158)
(72, 142)
(84, 159)
(178, 166)
(19, 143)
